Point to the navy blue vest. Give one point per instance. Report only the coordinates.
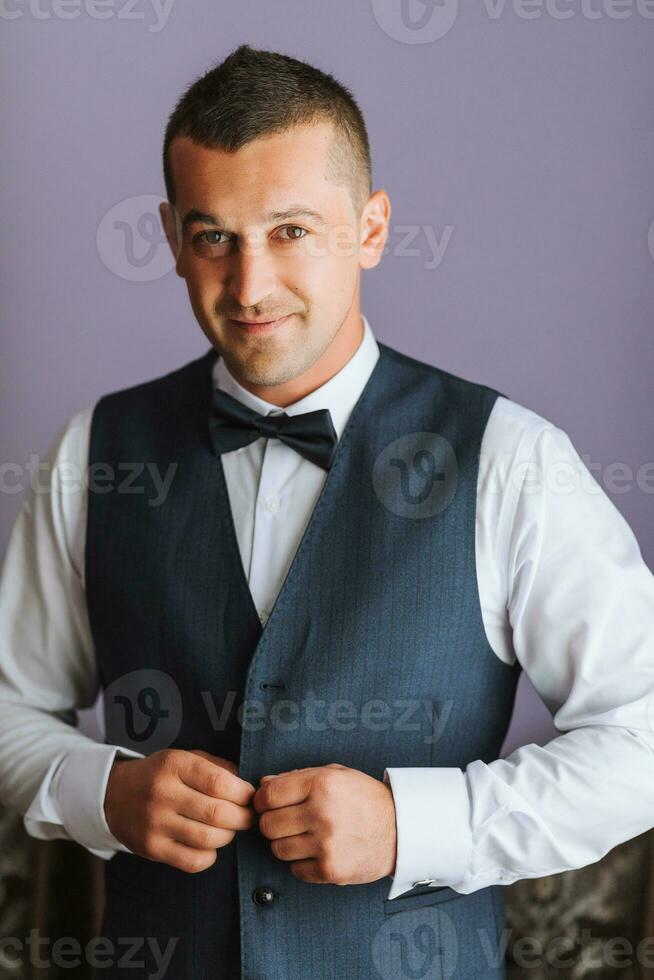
(374, 656)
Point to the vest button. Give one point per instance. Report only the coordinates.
(263, 895)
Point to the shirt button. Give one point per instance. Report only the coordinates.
(272, 504)
(263, 895)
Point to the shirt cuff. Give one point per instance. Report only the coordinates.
(433, 820)
(70, 800)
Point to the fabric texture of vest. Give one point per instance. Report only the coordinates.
(374, 656)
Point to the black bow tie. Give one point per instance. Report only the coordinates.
(233, 425)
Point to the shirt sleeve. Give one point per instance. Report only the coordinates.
(579, 616)
(50, 772)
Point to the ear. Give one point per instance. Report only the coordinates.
(173, 229)
(374, 229)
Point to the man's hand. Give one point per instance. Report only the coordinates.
(178, 807)
(335, 825)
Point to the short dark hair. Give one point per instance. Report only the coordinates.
(254, 93)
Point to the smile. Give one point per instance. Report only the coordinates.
(261, 326)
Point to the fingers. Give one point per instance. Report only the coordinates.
(283, 822)
(214, 812)
(217, 760)
(308, 870)
(330, 765)
(285, 789)
(205, 776)
(274, 775)
(295, 848)
(189, 859)
(199, 836)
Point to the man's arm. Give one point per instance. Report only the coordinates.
(580, 614)
(50, 772)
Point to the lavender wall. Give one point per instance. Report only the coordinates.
(515, 140)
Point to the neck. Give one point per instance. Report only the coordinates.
(340, 351)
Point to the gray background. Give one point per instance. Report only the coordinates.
(520, 137)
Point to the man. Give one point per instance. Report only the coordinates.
(309, 604)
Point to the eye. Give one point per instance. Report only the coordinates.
(294, 238)
(201, 237)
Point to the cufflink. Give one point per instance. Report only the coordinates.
(425, 881)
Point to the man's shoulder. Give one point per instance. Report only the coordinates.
(419, 370)
(512, 427)
(71, 439)
(158, 387)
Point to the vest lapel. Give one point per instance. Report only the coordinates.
(298, 563)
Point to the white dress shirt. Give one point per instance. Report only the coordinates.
(563, 588)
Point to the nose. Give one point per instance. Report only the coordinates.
(251, 276)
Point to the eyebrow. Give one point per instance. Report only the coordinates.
(195, 216)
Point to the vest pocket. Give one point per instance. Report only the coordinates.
(429, 896)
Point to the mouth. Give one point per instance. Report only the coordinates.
(260, 326)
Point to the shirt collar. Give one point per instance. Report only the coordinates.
(339, 394)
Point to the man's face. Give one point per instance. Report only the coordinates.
(249, 252)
